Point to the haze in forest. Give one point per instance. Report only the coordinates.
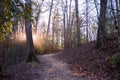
(60, 39)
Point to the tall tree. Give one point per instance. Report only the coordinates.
(64, 22)
(77, 23)
(118, 17)
(0, 57)
(49, 18)
(96, 7)
(69, 25)
(101, 35)
(38, 11)
(113, 13)
(87, 37)
(28, 29)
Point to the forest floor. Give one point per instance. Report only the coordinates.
(49, 68)
(87, 61)
(82, 63)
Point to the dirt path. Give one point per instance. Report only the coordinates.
(49, 69)
(56, 70)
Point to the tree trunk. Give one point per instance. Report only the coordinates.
(49, 19)
(77, 23)
(96, 7)
(16, 29)
(101, 35)
(28, 29)
(69, 26)
(53, 30)
(118, 17)
(64, 24)
(0, 57)
(114, 16)
(87, 37)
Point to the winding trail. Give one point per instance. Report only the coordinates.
(56, 70)
(49, 68)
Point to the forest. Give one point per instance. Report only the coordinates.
(60, 40)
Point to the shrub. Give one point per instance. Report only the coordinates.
(115, 60)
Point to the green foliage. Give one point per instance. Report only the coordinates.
(115, 59)
(5, 30)
(9, 10)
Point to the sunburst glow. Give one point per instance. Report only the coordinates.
(21, 37)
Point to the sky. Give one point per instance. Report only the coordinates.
(23, 1)
(82, 8)
(81, 3)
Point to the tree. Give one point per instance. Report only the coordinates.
(64, 6)
(69, 26)
(38, 11)
(28, 29)
(96, 7)
(77, 23)
(87, 37)
(49, 19)
(118, 17)
(101, 35)
(56, 29)
(8, 8)
(113, 14)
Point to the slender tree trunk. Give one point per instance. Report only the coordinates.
(77, 23)
(113, 12)
(118, 12)
(53, 33)
(0, 57)
(101, 35)
(72, 32)
(95, 2)
(87, 37)
(98, 18)
(64, 24)
(16, 29)
(2, 10)
(49, 18)
(69, 26)
(38, 14)
(118, 17)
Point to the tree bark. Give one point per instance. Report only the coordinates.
(0, 57)
(87, 37)
(49, 18)
(77, 23)
(64, 23)
(101, 35)
(113, 12)
(53, 31)
(118, 17)
(69, 26)
(28, 28)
